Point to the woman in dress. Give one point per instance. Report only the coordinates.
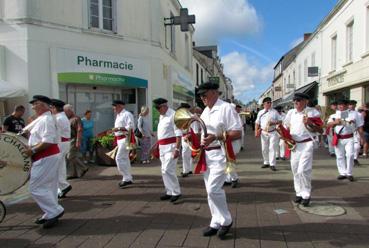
(144, 127)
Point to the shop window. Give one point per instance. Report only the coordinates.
(334, 53)
(103, 14)
(349, 41)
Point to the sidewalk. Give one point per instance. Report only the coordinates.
(99, 214)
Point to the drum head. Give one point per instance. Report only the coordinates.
(15, 164)
(2, 211)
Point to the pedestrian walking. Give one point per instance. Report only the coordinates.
(169, 142)
(87, 136)
(302, 156)
(43, 147)
(145, 141)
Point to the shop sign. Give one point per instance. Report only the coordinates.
(338, 79)
(96, 68)
(278, 88)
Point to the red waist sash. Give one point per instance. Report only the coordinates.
(155, 150)
(345, 136)
(51, 150)
(65, 139)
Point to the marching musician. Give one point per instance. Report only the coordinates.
(169, 143)
(330, 112)
(43, 147)
(302, 156)
(124, 123)
(282, 146)
(265, 124)
(344, 124)
(359, 132)
(63, 127)
(219, 117)
(186, 151)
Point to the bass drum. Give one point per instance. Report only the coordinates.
(2, 211)
(15, 164)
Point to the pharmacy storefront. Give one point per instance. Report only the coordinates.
(91, 81)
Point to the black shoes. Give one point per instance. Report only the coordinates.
(185, 174)
(265, 166)
(223, 230)
(64, 192)
(350, 178)
(209, 231)
(49, 223)
(40, 221)
(165, 197)
(273, 168)
(234, 183)
(341, 177)
(227, 183)
(356, 162)
(124, 184)
(277, 158)
(332, 155)
(174, 198)
(298, 199)
(305, 202)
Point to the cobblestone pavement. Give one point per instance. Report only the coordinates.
(99, 214)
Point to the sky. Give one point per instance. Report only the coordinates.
(252, 35)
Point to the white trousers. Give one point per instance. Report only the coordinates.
(43, 185)
(301, 165)
(232, 175)
(123, 162)
(168, 172)
(357, 145)
(186, 157)
(330, 146)
(64, 149)
(269, 146)
(214, 179)
(282, 148)
(345, 156)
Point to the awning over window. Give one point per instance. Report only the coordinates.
(306, 88)
(8, 90)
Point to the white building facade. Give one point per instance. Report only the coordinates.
(90, 52)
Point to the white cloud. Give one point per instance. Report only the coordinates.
(296, 42)
(249, 80)
(222, 18)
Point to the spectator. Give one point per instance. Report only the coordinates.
(365, 114)
(14, 123)
(87, 135)
(144, 127)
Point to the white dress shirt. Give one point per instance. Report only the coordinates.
(295, 122)
(265, 116)
(348, 128)
(167, 129)
(124, 119)
(44, 131)
(63, 125)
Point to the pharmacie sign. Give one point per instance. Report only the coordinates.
(73, 66)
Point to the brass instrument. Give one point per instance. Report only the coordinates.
(291, 144)
(112, 153)
(129, 145)
(183, 120)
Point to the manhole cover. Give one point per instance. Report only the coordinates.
(323, 209)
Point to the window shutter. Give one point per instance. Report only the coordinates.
(114, 15)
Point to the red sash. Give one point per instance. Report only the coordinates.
(51, 150)
(155, 150)
(345, 136)
(65, 139)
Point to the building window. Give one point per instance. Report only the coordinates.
(305, 70)
(299, 75)
(334, 52)
(102, 13)
(349, 41)
(172, 36)
(197, 74)
(294, 77)
(187, 50)
(313, 59)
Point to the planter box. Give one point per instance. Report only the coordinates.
(102, 158)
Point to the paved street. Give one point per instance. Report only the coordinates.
(99, 214)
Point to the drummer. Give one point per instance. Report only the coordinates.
(43, 147)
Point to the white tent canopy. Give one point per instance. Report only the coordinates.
(8, 91)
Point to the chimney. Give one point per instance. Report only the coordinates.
(306, 36)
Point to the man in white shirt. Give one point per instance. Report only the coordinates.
(329, 131)
(221, 121)
(282, 145)
(186, 151)
(124, 123)
(265, 124)
(63, 127)
(43, 147)
(169, 142)
(359, 132)
(302, 156)
(344, 124)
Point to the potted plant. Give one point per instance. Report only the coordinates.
(104, 142)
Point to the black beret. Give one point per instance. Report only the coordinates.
(333, 103)
(203, 88)
(116, 102)
(159, 101)
(185, 105)
(300, 96)
(267, 99)
(343, 101)
(57, 103)
(238, 106)
(352, 102)
(279, 107)
(40, 98)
